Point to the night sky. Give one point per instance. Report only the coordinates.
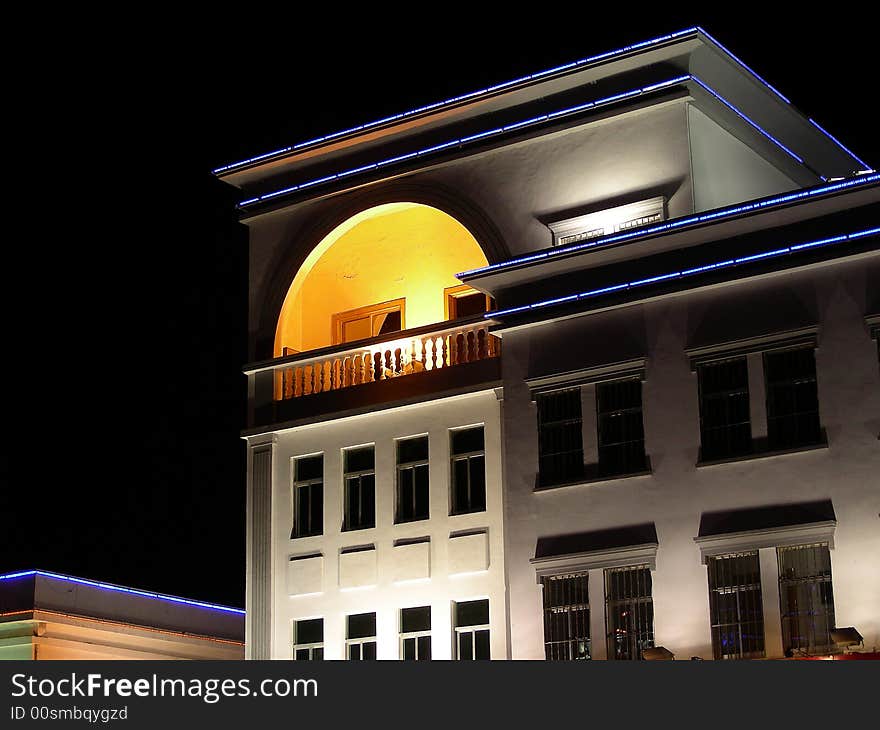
(126, 273)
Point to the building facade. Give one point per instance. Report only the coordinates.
(48, 616)
(575, 367)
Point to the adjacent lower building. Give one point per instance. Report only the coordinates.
(45, 616)
(582, 366)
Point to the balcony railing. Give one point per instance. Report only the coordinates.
(410, 352)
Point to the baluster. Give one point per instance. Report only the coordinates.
(367, 367)
(328, 374)
(307, 380)
(377, 366)
(389, 366)
(346, 372)
(471, 347)
(317, 370)
(297, 382)
(398, 361)
(482, 345)
(418, 353)
(458, 352)
(444, 353)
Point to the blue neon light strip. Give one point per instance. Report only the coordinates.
(840, 144)
(677, 223)
(687, 272)
(465, 140)
(462, 97)
(527, 123)
(121, 589)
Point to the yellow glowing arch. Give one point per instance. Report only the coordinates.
(394, 251)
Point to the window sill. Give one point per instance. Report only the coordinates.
(410, 522)
(823, 444)
(346, 530)
(595, 480)
(468, 512)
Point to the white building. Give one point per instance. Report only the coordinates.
(678, 446)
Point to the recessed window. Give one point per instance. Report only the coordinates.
(415, 633)
(608, 221)
(370, 321)
(464, 301)
(621, 432)
(468, 472)
(725, 426)
(308, 640)
(792, 398)
(735, 606)
(360, 488)
(472, 630)
(560, 437)
(412, 480)
(360, 637)
(629, 611)
(566, 617)
(308, 496)
(806, 599)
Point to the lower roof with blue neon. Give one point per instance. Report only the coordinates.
(122, 589)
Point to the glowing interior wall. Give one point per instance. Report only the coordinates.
(387, 252)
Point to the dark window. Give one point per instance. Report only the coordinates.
(566, 617)
(415, 633)
(629, 611)
(412, 479)
(360, 489)
(560, 437)
(308, 639)
(792, 398)
(735, 607)
(620, 429)
(806, 600)
(360, 636)
(725, 428)
(468, 470)
(308, 490)
(472, 630)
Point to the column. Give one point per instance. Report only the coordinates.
(770, 599)
(757, 395)
(258, 623)
(589, 433)
(596, 589)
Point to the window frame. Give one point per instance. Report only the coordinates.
(578, 427)
(357, 474)
(405, 636)
(360, 641)
(603, 468)
(307, 646)
(452, 293)
(730, 452)
(472, 629)
(632, 601)
(309, 484)
(755, 597)
(571, 638)
(410, 465)
(772, 442)
(466, 456)
(813, 580)
(340, 319)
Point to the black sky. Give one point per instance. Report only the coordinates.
(125, 276)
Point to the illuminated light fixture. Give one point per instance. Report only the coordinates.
(657, 653)
(846, 636)
(123, 589)
(522, 125)
(680, 222)
(531, 77)
(610, 220)
(688, 272)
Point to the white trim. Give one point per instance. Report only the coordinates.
(771, 537)
(749, 345)
(608, 220)
(586, 376)
(619, 557)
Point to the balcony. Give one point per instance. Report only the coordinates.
(413, 365)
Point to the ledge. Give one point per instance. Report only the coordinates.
(755, 455)
(597, 479)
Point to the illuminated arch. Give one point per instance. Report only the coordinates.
(387, 252)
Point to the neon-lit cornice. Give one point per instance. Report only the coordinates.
(460, 98)
(523, 79)
(691, 220)
(526, 123)
(123, 589)
(785, 250)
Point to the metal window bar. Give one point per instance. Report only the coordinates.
(629, 611)
(792, 398)
(560, 437)
(806, 598)
(566, 617)
(735, 606)
(725, 418)
(621, 432)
